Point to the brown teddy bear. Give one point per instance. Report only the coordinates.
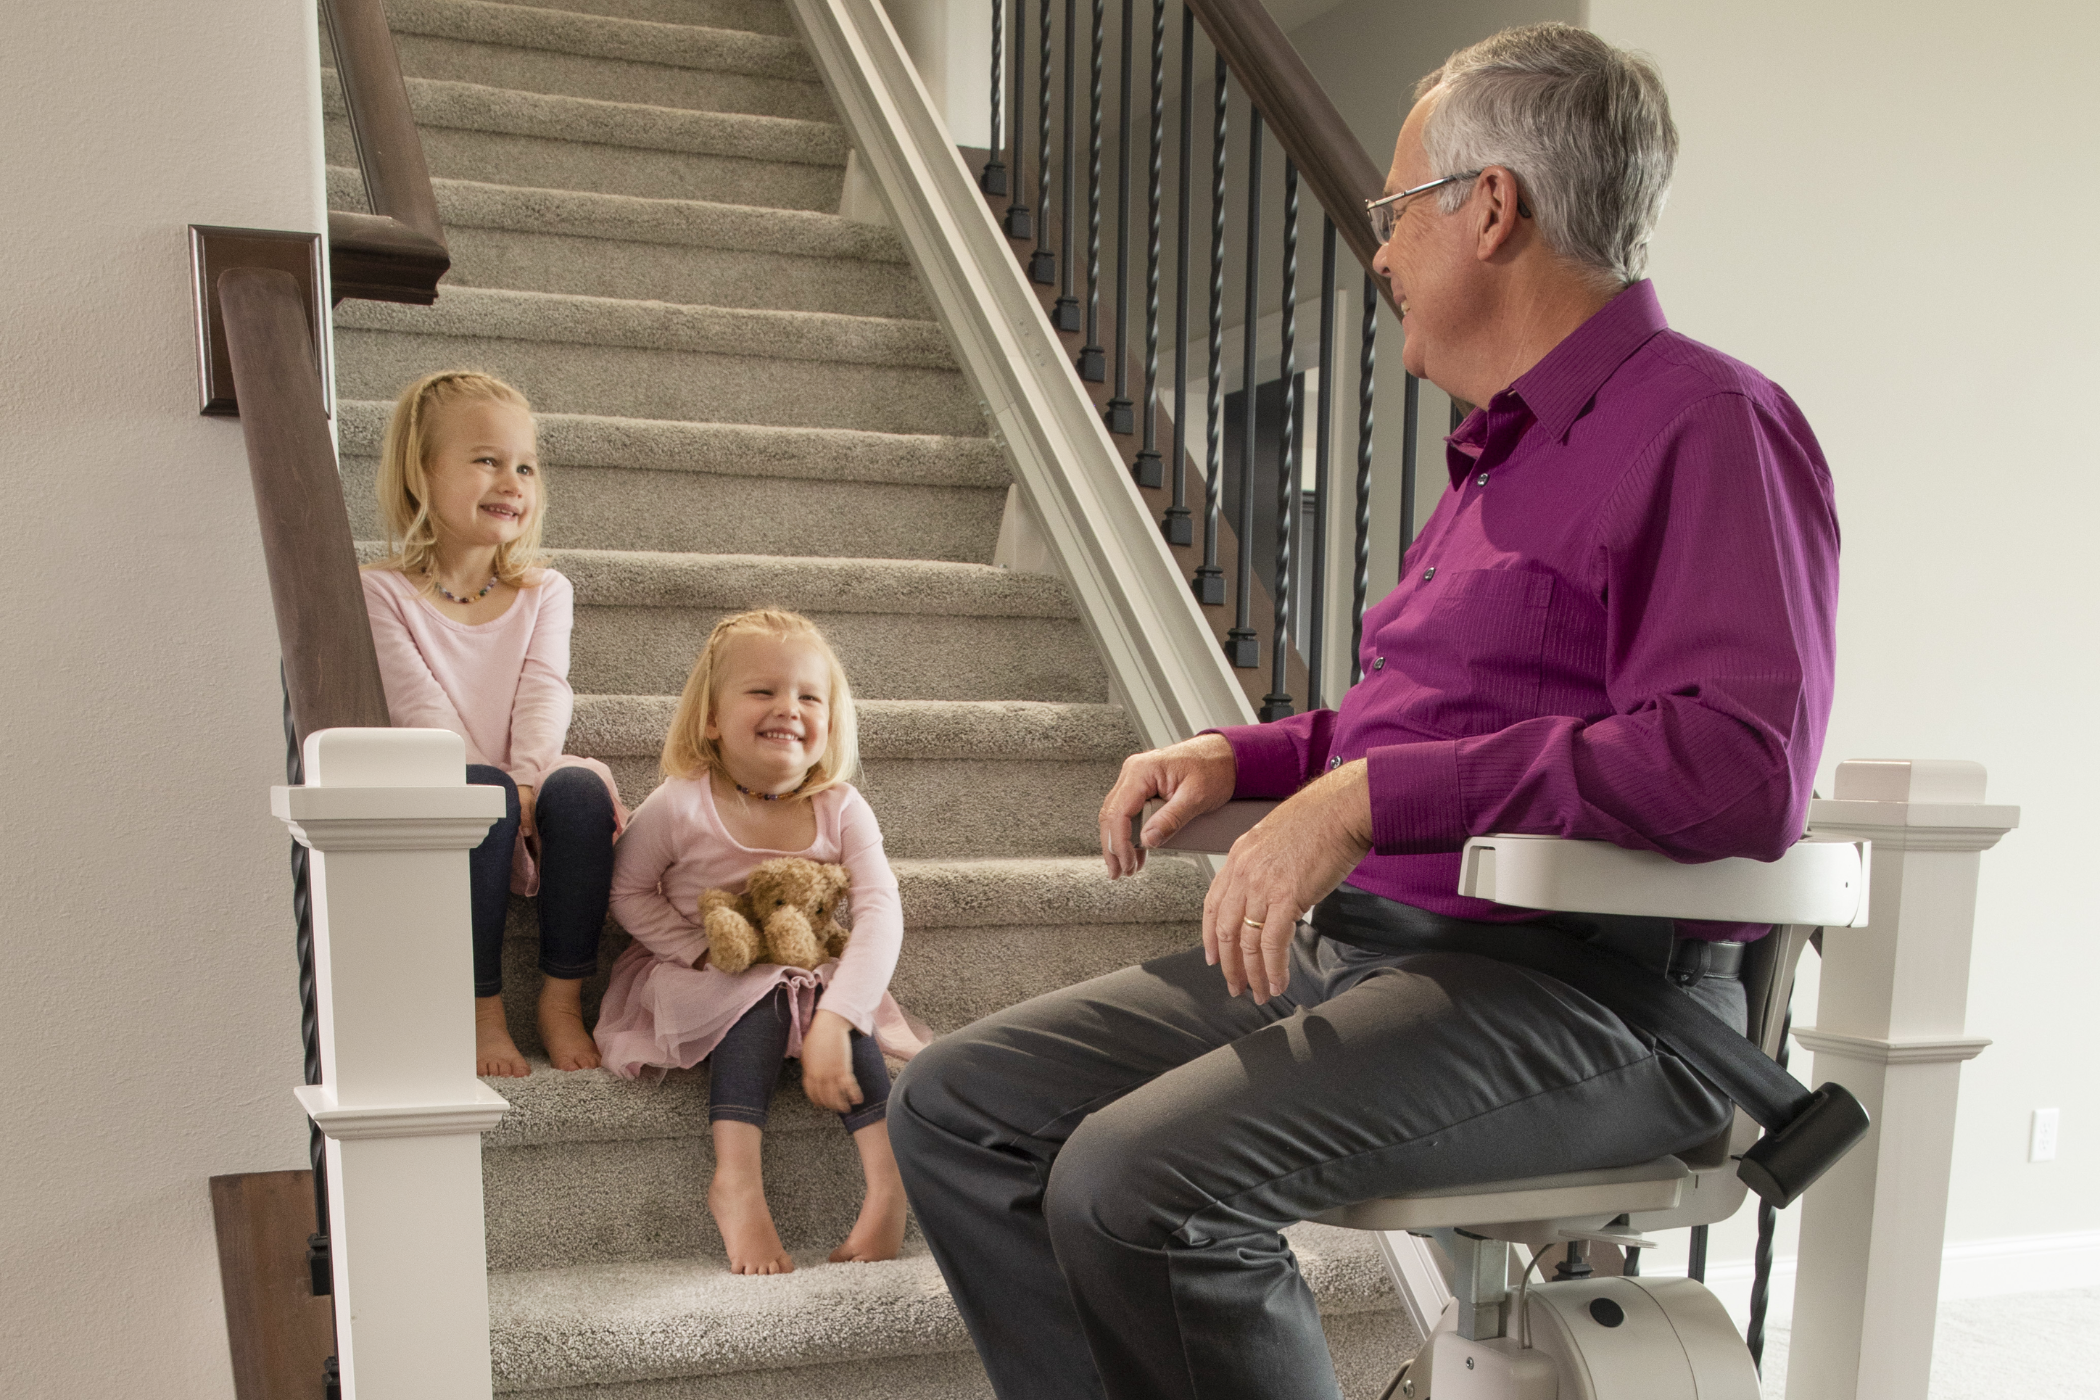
(787, 914)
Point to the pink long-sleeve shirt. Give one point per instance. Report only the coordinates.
(666, 1007)
(503, 686)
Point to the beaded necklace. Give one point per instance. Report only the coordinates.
(769, 796)
(450, 597)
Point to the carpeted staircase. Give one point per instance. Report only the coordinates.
(743, 402)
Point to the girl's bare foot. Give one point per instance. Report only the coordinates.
(737, 1196)
(568, 1044)
(879, 1232)
(495, 1053)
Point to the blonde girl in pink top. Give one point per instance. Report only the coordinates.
(756, 766)
(473, 636)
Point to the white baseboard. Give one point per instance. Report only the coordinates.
(1969, 1269)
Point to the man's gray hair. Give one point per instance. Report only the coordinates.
(1585, 127)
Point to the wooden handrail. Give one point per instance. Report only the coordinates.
(331, 672)
(397, 252)
(1332, 163)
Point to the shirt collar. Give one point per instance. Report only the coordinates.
(1557, 388)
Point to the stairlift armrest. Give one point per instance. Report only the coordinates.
(1210, 834)
(1817, 882)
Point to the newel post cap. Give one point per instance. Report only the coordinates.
(387, 758)
(1921, 803)
(387, 790)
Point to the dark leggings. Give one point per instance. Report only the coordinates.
(574, 814)
(746, 1066)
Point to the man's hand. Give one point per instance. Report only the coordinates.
(827, 1063)
(1195, 776)
(1288, 862)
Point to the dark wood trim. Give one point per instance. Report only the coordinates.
(1332, 163)
(214, 250)
(279, 1334)
(396, 252)
(331, 672)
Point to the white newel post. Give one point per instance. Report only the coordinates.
(389, 819)
(1890, 1029)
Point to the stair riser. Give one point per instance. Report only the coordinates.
(699, 512)
(610, 79)
(502, 158)
(753, 16)
(644, 383)
(943, 809)
(608, 1202)
(649, 651)
(1367, 1348)
(610, 267)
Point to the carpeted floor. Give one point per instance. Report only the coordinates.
(2023, 1346)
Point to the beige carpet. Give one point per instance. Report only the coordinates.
(2023, 1346)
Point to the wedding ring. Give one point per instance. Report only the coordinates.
(1252, 923)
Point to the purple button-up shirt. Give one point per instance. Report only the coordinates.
(1618, 625)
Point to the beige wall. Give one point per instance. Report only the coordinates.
(1891, 211)
(151, 1033)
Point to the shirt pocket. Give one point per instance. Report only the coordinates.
(1486, 649)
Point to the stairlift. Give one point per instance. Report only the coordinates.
(1494, 1336)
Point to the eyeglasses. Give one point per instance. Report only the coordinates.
(1385, 213)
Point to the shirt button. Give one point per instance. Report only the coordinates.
(1429, 573)
(1481, 480)
(1334, 763)
(1379, 664)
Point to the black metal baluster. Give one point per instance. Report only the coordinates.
(1042, 263)
(1410, 430)
(993, 180)
(1366, 385)
(1093, 361)
(319, 1263)
(1241, 644)
(1277, 703)
(1316, 651)
(1065, 314)
(1119, 413)
(1761, 1258)
(1175, 523)
(1209, 581)
(1147, 469)
(1019, 222)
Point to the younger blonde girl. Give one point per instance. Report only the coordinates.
(473, 636)
(756, 766)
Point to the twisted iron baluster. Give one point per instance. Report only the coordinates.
(993, 180)
(1119, 412)
(1209, 582)
(1316, 651)
(1065, 315)
(1241, 643)
(1019, 222)
(1148, 470)
(1093, 360)
(1277, 703)
(1366, 374)
(1042, 263)
(318, 1263)
(1175, 524)
(1767, 1226)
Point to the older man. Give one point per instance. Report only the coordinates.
(1617, 625)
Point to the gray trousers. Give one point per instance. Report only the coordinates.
(1102, 1172)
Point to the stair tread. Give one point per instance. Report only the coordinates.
(611, 1323)
(439, 102)
(613, 577)
(696, 223)
(728, 449)
(632, 726)
(605, 36)
(495, 314)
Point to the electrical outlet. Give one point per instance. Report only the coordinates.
(2041, 1137)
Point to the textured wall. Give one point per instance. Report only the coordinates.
(151, 1038)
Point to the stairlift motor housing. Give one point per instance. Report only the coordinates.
(1594, 1339)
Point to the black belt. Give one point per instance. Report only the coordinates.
(1615, 961)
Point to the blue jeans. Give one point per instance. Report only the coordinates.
(575, 817)
(746, 1065)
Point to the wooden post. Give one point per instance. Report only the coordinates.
(389, 819)
(1890, 1029)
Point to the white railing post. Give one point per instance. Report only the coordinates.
(389, 819)
(1890, 1028)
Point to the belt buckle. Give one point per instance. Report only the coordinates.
(1690, 971)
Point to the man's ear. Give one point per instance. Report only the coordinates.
(1502, 216)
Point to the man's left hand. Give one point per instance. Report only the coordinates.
(1287, 863)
